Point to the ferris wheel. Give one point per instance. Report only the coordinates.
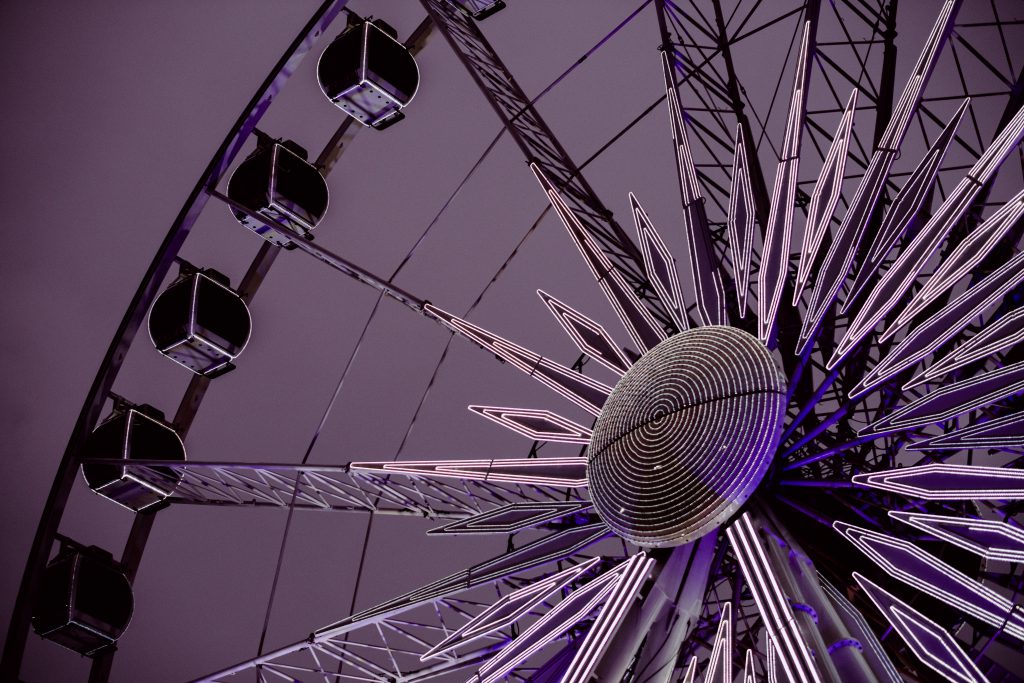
(786, 443)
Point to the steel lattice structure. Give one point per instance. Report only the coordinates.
(885, 282)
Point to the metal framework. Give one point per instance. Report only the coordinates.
(886, 276)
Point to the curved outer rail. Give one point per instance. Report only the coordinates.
(17, 634)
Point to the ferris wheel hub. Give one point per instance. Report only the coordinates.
(686, 436)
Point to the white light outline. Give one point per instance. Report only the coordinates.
(599, 589)
(780, 622)
(634, 574)
(886, 481)
(822, 207)
(748, 668)
(990, 340)
(481, 470)
(913, 257)
(980, 296)
(975, 436)
(904, 418)
(480, 524)
(1001, 612)
(906, 205)
(906, 620)
(670, 291)
(607, 275)
(504, 416)
(721, 653)
(278, 147)
(741, 191)
(478, 626)
(710, 300)
(865, 198)
(938, 526)
(566, 315)
(508, 351)
(779, 228)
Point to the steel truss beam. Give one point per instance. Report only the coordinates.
(540, 146)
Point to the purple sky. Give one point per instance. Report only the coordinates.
(113, 110)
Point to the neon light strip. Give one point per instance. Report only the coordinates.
(638, 321)
(901, 481)
(930, 642)
(836, 265)
(659, 264)
(964, 593)
(560, 429)
(740, 221)
(825, 196)
(627, 587)
(575, 323)
(511, 471)
(957, 531)
(896, 281)
(779, 230)
(780, 622)
(720, 664)
(706, 278)
(561, 379)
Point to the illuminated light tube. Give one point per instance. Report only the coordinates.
(780, 622)
(906, 562)
(588, 336)
(986, 538)
(659, 264)
(634, 573)
(508, 609)
(539, 425)
(587, 393)
(943, 481)
(931, 643)
(638, 321)
(562, 472)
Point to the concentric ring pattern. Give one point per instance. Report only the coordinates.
(686, 436)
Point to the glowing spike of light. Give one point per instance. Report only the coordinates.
(561, 472)
(627, 587)
(896, 281)
(508, 609)
(952, 400)
(576, 606)
(836, 266)
(779, 231)
(906, 562)
(825, 196)
(510, 518)
(905, 208)
(748, 668)
(539, 425)
(587, 393)
(1004, 432)
(944, 481)
(969, 253)
(995, 337)
(659, 264)
(986, 538)
(931, 643)
(589, 337)
(720, 665)
(780, 622)
(703, 264)
(691, 671)
(740, 221)
(638, 321)
(945, 323)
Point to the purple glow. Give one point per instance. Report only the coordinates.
(987, 538)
